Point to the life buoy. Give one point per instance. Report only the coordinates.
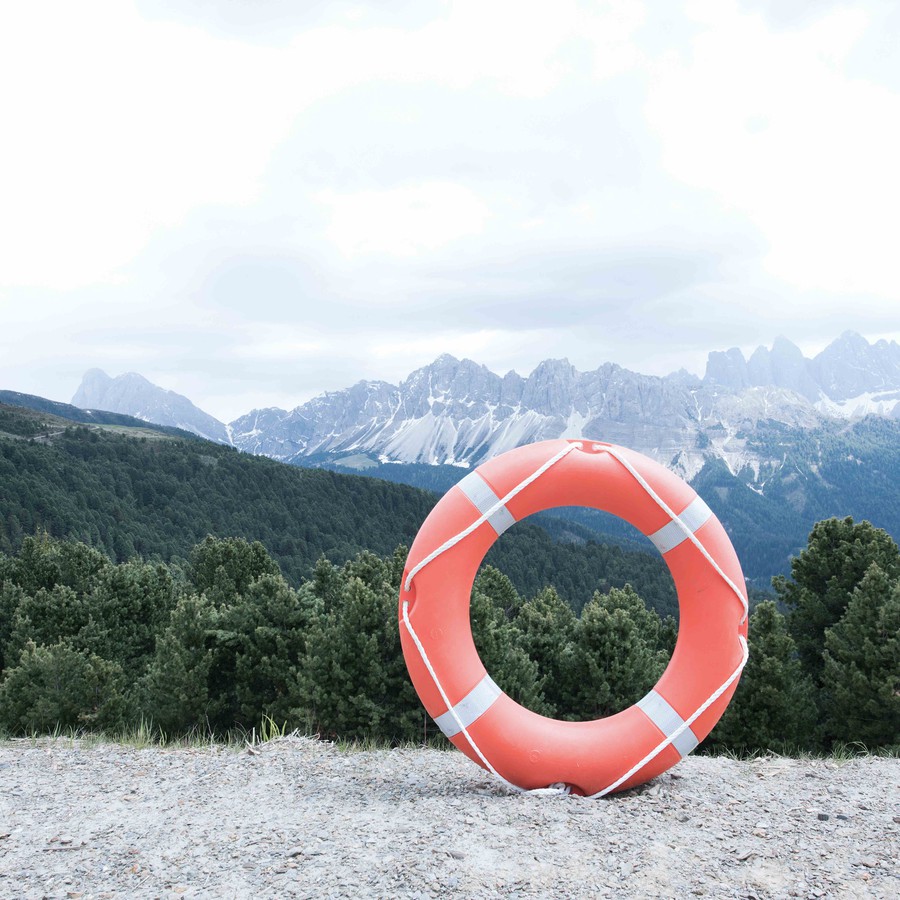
(522, 747)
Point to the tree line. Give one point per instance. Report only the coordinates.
(224, 640)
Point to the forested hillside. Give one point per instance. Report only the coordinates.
(51, 411)
(155, 496)
(837, 469)
(834, 470)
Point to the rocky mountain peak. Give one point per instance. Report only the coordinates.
(93, 387)
(449, 383)
(790, 369)
(759, 367)
(511, 388)
(785, 348)
(683, 378)
(851, 366)
(550, 388)
(445, 359)
(134, 395)
(445, 369)
(850, 341)
(728, 369)
(458, 411)
(784, 366)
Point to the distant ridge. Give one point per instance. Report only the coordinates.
(785, 478)
(135, 497)
(134, 395)
(848, 367)
(84, 416)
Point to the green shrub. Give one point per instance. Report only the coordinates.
(774, 705)
(61, 687)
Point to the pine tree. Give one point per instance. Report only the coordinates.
(353, 683)
(668, 635)
(327, 584)
(370, 569)
(128, 604)
(270, 625)
(175, 690)
(837, 556)
(224, 567)
(494, 584)
(505, 660)
(861, 673)
(396, 565)
(61, 686)
(11, 596)
(44, 562)
(49, 616)
(546, 627)
(616, 657)
(774, 704)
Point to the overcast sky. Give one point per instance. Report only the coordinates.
(254, 202)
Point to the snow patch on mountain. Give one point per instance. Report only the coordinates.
(877, 403)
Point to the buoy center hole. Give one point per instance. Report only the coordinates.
(574, 616)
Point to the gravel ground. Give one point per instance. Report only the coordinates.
(300, 818)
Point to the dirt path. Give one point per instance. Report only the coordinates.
(300, 818)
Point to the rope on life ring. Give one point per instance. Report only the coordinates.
(523, 749)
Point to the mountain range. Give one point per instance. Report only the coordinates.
(457, 412)
(773, 443)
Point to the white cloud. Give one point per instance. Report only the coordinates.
(403, 221)
(767, 121)
(278, 343)
(117, 129)
(121, 127)
(341, 195)
(608, 29)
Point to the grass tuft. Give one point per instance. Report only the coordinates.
(146, 734)
(369, 744)
(839, 752)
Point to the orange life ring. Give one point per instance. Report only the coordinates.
(529, 750)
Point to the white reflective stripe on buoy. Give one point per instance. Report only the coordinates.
(695, 514)
(664, 717)
(483, 497)
(476, 703)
